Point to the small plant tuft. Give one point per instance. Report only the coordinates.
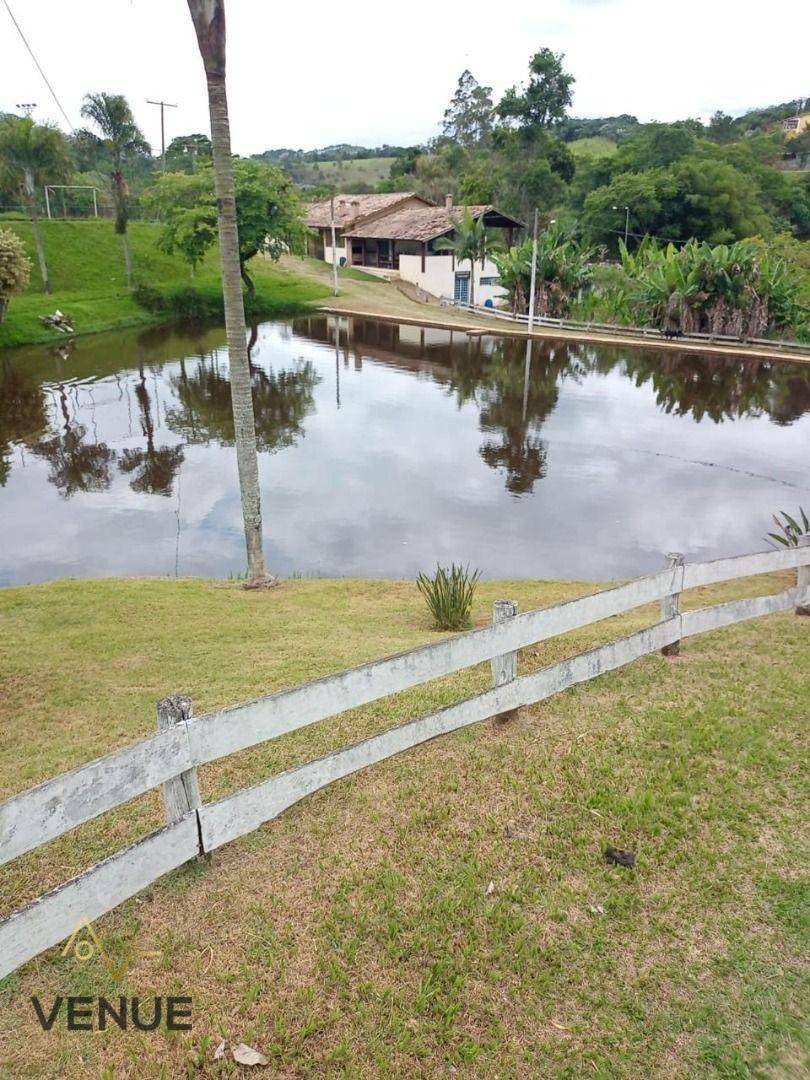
(790, 530)
(449, 595)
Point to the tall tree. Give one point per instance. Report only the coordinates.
(32, 155)
(544, 100)
(208, 17)
(184, 152)
(468, 117)
(269, 216)
(121, 140)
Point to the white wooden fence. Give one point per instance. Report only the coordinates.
(651, 333)
(182, 743)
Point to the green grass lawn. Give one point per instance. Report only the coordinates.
(351, 272)
(357, 935)
(346, 174)
(86, 267)
(594, 146)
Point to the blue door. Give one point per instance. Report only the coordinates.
(462, 289)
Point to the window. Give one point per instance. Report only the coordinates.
(489, 281)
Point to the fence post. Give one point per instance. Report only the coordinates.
(803, 582)
(504, 667)
(671, 604)
(181, 794)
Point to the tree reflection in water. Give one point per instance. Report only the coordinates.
(281, 402)
(74, 464)
(155, 469)
(491, 373)
(23, 415)
(484, 373)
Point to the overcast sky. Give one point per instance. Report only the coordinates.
(314, 73)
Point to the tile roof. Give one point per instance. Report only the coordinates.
(349, 208)
(419, 223)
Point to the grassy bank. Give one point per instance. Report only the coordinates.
(86, 266)
(357, 935)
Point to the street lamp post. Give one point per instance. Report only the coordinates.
(626, 222)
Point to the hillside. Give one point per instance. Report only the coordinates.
(86, 266)
(349, 175)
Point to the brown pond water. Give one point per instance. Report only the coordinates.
(389, 448)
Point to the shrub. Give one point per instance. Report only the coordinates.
(790, 530)
(15, 268)
(449, 595)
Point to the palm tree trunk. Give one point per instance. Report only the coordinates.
(209, 22)
(472, 282)
(31, 199)
(127, 258)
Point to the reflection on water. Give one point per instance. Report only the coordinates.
(384, 448)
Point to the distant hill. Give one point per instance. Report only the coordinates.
(338, 152)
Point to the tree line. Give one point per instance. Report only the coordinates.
(718, 183)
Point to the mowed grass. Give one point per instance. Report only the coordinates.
(86, 267)
(593, 146)
(366, 171)
(358, 934)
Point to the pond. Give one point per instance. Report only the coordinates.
(385, 448)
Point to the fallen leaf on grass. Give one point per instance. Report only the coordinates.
(220, 1051)
(490, 888)
(596, 909)
(246, 1055)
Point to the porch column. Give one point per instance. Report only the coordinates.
(424, 254)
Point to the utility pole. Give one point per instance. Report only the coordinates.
(334, 246)
(163, 105)
(27, 107)
(534, 275)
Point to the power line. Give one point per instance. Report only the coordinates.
(652, 236)
(38, 66)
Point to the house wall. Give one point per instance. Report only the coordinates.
(439, 276)
(327, 253)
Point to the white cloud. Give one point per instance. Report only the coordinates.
(311, 74)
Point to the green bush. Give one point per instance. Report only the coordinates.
(15, 268)
(204, 302)
(449, 595)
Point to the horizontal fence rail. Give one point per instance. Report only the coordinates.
(647, 332)
(170, 757)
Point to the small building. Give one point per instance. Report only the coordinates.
(796, 125)
(349, 210)
(399, 240)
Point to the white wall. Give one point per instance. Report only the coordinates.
(327, 254)
(438, 278)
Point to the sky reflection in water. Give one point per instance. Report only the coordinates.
(390, 450)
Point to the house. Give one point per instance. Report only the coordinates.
(348, 210)
(398, 239)
(796, 125)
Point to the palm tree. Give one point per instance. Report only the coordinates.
(208, 17)
(120, 139)
(469, 241)
(32, 155)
